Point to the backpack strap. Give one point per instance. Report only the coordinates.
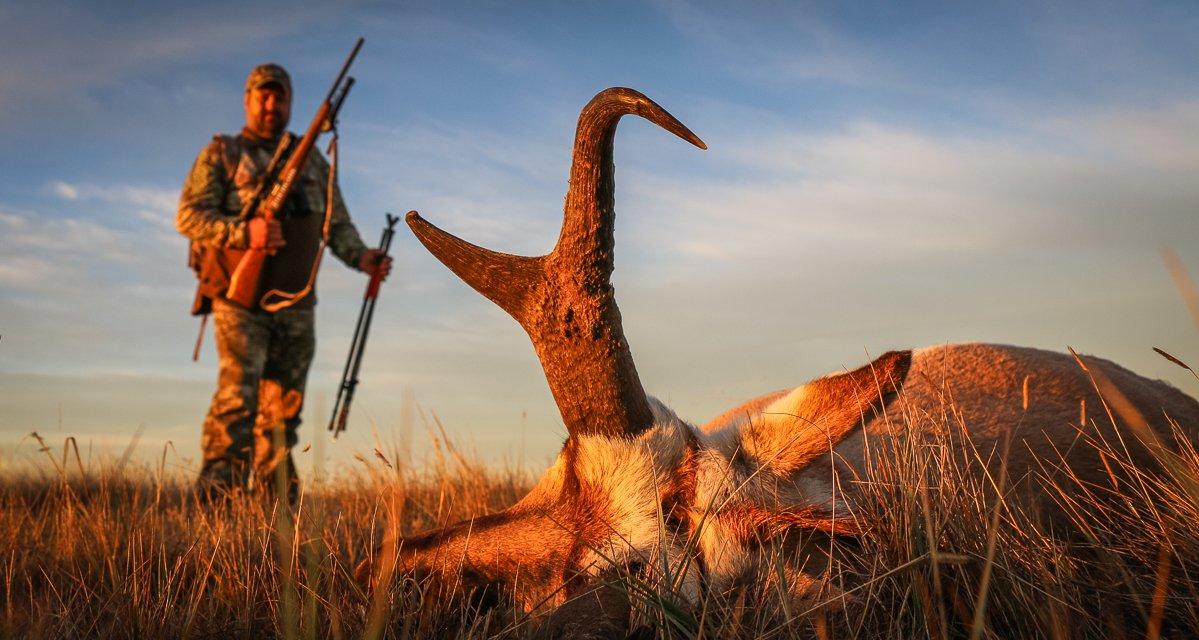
(230, 148)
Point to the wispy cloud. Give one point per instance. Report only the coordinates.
(970, 63)
(58, 255)
(1158, 138)
(105, 48)
(777, 43)
(89, 283)
(155, 205)
(64, 190)
(101, 234)
(502, 187)
(464, 31)
(893, 193)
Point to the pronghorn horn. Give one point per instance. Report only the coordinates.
(564, 300)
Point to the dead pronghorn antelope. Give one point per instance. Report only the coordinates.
(636, 487)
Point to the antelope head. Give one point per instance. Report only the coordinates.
(634, 487)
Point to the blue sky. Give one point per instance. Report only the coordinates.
(879, 176)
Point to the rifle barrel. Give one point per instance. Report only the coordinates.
(344, 69)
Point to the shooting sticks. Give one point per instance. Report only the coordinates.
(349, 376)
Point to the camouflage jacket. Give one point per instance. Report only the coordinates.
(212, 197)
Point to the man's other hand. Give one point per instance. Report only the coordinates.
(265, 234)
(373, 259)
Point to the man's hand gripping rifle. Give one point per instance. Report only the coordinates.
(349, 376)
(244, 283)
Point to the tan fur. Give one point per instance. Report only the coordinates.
(781, 471)
(983, 387)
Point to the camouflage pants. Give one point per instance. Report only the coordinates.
(251, 424)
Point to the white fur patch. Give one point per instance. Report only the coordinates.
(731, 473)
(632, 477)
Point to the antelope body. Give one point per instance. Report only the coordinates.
(635, 486)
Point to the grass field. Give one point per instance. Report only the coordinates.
(128, 553)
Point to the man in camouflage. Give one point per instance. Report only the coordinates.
(264, 356)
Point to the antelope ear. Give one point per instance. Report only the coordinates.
(806, 423)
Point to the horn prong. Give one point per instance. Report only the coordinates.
(564, 300)
(661, 117)
(505, 279)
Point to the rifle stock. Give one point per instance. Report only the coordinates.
(245, 281)
(243, 284)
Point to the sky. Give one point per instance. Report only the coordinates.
(879, 176)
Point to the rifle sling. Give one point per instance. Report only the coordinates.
(285, 299)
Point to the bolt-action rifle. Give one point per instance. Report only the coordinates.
(349, 376)
(243, 284)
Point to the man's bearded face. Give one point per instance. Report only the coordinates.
(268, 109)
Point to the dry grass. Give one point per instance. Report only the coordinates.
(125, 553)
(979, 567)
(131, 553)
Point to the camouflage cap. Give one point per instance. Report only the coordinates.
(269, 73)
